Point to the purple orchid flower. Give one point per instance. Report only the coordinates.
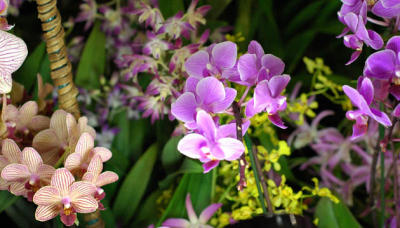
(385, 64)
(267, 97)
(208, 94)
(387, 8)
(88, 13)
(255, 66)
(193, 221)
(218, 58)
(210, 144)
(349, 6)
(356, 24)
(362, 98)
(175, 27)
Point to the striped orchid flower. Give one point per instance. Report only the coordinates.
(10, 153)
(64, 197)
(29, 175)
(78, 162)
(13, 52)
(95, 176)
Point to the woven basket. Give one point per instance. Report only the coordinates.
(61, 72)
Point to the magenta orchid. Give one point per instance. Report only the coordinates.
(209, 94)
(95, 176)
(64, 197)
(362, 98)
(193, 221)
(210, 144)
(267, 97)
(29, 175)
(217, 59)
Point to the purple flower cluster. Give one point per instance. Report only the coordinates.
(206, 95)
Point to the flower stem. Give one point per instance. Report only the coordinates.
(244, 95)
(239, 136)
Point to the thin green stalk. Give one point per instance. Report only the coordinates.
(253, 162)
(61, 160)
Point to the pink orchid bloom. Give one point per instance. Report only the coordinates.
(24, 120)
(29, 175)
(193, 221)
(95, 176)
(13, 52)
(62, 136)
(10, 153)
(78, 161)
(64, 196)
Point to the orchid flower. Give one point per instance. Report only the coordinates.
(209, 95)
(196, 15)
(362, 98)
(156, 46)
(217, 59)
(3, 7)
(64, 197)
(385, 64)
(29, 175)
(95, 176)
(210, 144)
(84, 151)
(267, 97)
(62, 135)
(10, 153)
(13, 52)
(356, 24)
(175, 27)
(88, 11)
(193, 221)
(387, 8)
(25, 119)
(255, 66)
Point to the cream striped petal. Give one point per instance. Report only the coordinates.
(47, 195)
(5, 83)
(81, 188)
(15, 172)
(105, 178)
(85, 204)
(39, 123)
(85, 144)
(32, 159)
(62, 179)
(46, 140)
(58, 122)
(11, 151)
(17, 188)
(45, 172)
(4, 184)
(104, 153)
(73, 161)
(13, 52)
(45, 213)
(26, 113)
(95, 165)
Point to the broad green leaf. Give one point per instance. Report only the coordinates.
(303, 17)
(23, 214)
(217, 7)
(6, 199)
(92, 63)
(134, 186)
(243, 19)
(188, 166)
(170, 155)
(269, 28)
(26, 75)
(107, 215)
(146, 214)
(199, 188)
(332, 215)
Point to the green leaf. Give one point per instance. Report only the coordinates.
(146, 214)
(188, 166)
(332, 215)
(217, 7)
(6, 199)
(269, 29)
(26, 75)
(170, 155)
(303, 17)
(92, 63)
(199, 187)
(134, 186)
(170, 7)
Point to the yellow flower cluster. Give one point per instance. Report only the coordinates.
(271, 158)
(321, 192)
(302, 108)
(164, 198)
(236, 38)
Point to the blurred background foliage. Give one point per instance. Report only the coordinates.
(144, 156)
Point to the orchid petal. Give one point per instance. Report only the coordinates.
(46, 140)
(15, 172)
(184, 108)
(105, 178)
(95, 165)
(224, 54)
(11, 151)
(176, 223)
(45, 213)
(277, 84)
(196, 64)
(273, 64)
(210, 90)
(207, 213)
(62, 179)
(191, 144)
(73, 161)
(45, 172)
(366, 89)
(210, 165)
(247, 67)
(220, 106)
(18, 188)
(32, 159)
(232, 148)
(190, 211)
(206, 125)
(85, 204)
(85, 144)
(104, 153)
(58, 122)
(81, 188)
(47, 195)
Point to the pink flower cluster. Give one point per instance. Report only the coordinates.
(206, 95)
